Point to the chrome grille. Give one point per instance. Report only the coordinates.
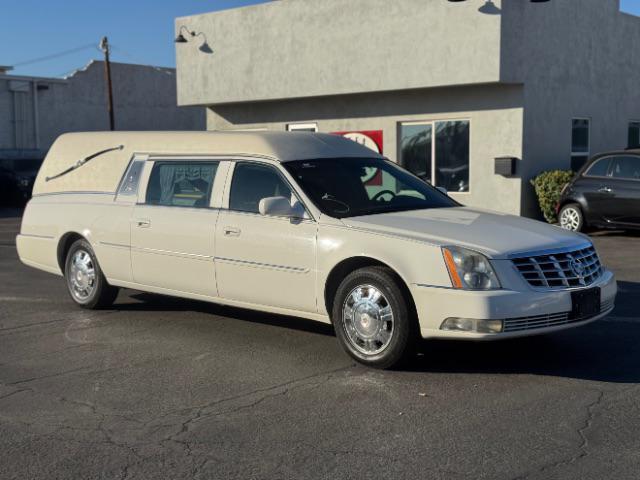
(564, 269)
(550, 320)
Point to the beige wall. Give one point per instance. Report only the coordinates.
(305, 48)
(495, 113)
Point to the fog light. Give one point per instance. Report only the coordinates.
(489, 326)
(458, 325)
(471, 325)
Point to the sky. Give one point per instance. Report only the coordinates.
(140, 31)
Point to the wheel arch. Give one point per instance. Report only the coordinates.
(348, 265)
(577, 199)
(64, 244)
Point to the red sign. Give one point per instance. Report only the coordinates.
(369, 138)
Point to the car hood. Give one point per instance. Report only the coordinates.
(495, 234)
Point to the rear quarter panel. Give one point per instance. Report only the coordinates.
(96, 217)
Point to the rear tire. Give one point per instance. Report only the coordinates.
(572, 218)
(86, 283)
(373, 318)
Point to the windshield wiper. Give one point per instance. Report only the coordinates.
(80, 163)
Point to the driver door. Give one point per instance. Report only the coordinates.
(264, 260)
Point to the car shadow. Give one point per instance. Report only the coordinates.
(605, 351)
(614, 233)
(149, 302)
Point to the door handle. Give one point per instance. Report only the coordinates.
(143, 223)
(605, 189)
(232, 231)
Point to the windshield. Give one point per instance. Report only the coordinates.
(350, 187)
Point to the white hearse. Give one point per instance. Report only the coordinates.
(302, 224)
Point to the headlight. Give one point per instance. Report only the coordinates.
(470, 270)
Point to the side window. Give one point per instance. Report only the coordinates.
(181, 184)
(599, 169)
(253, 182)
(627, 167)
(129, 185)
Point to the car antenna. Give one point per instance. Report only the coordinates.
(80, 163)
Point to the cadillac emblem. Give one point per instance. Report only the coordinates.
(577, 267)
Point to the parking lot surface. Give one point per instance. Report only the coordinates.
(157, 387)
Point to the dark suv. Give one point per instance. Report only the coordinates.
(605, 193)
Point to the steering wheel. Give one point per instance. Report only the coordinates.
(377, 196)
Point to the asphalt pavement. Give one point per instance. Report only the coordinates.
(158, 387)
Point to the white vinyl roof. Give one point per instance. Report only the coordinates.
(103, 173)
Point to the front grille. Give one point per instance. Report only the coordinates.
(550, 320)
(555, 271)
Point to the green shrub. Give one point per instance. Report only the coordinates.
(548, 186)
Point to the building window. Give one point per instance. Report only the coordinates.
(634, 135)
(580, 142)
(302, 127)
(437, 152)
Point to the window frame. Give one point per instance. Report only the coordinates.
(434, 160)
(151, 164)
(121, 195)
(588, 152)
(283, 176)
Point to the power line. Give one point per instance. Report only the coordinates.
(54, 55)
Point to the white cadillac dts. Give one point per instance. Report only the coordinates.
(302, 224)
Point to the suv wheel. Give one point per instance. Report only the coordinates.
(86, 284)
(571, 217)
(373, 318)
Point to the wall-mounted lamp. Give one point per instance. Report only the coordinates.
(489, 1)
(191, 35)
(490, 8)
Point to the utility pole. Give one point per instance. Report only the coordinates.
(104, 46)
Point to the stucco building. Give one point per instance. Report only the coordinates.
(34, 111)
(443, 88)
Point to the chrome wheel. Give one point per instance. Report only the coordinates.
(570, 219)
(81, 275)
(367, 318)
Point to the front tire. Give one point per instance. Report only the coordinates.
(86, 283)
(373, 318)
(572, 218)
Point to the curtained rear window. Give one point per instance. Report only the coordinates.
(181, 184)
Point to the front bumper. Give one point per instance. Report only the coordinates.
(529, 312)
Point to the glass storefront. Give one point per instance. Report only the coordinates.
(437, 152)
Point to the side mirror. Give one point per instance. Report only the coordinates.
(281, 207)
(442, 190)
